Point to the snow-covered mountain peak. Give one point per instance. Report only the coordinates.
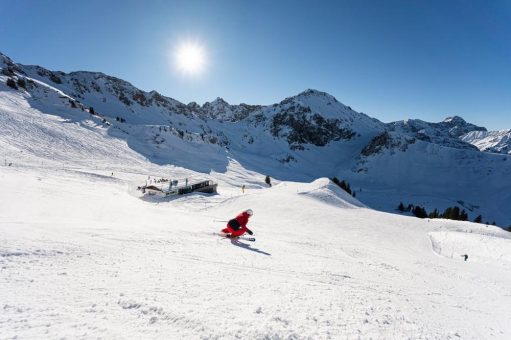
(454, 120)
(316, 93)
(317, 103)
(457, 126)
(216, 106)
(219, 101)
(221, 110)
(446, 132)
(315, 99)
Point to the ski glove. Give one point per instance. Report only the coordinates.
(250, 232)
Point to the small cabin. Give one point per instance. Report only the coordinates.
(164, 190)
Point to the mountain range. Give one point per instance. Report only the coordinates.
(301, 138)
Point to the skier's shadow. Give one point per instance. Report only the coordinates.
(237, 243)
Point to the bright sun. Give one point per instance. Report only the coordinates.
(190, 58)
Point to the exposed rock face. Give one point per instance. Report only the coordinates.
(300, 126)
(445, 133)
(377, 144)
(221, 110)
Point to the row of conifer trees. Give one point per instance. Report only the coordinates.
(451, 213)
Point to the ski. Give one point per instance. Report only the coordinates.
(250, 239)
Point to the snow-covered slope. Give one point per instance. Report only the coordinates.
(302, 138)
(490, 141)
(82, 257)
(432, 176)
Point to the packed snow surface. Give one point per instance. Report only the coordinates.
(82, 256)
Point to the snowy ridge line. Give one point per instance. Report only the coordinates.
(302, 138)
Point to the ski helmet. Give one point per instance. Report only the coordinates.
(249, 212)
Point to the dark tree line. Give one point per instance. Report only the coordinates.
(16, 84)
(11, 83)
(451, 213)
(344, 186)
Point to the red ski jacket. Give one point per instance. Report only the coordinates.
(243, 219)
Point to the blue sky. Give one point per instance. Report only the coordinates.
(390, 59)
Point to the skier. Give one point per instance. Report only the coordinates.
(238, 225)
(267, 180)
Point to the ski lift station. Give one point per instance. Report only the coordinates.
(164, 187)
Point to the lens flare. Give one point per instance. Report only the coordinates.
(190, 58)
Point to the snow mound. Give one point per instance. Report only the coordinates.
(324, 190)
(478, 247)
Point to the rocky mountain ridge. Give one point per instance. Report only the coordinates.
(303, 137)
(311, 117)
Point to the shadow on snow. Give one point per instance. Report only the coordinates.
(237, 243)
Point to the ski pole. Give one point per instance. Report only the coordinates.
(220, 221)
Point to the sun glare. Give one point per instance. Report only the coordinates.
(190, 58)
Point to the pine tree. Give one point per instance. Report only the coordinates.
(455, 213)
(21, 83)
(11, 83)
(447, 213)
(91, 111)
(345, 186)
(434, 214)
(424, 213)
(463, 215)
(478, 219)
(401, 207)
(420, 212)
